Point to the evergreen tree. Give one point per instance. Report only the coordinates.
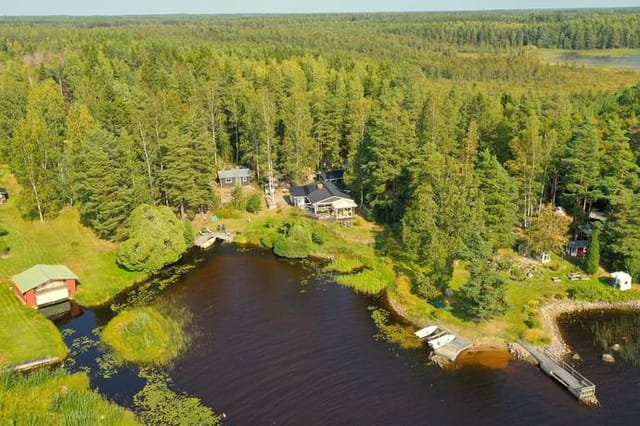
(592, 262)
(580, 167)
(500, 198)
(102, 185)
(484, 294)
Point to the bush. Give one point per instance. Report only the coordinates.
(228, 214)
(156, 239)
(536, 337)
(254, 203)
(294, 243)
(591, 292)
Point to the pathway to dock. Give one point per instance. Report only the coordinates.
(578, 385)
(207, 238)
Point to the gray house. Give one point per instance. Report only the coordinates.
(234, 177)
(323, 200)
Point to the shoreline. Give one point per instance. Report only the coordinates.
(549, 316)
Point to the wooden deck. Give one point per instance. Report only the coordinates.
(578, 385)
(451, 350)
(207, 239)
(36, 363)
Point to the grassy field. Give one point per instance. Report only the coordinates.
(145, 336)
(25, 334)
(49, 397)
(61, 240)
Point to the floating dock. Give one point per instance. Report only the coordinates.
(578, 385)
(208, 238)
(451, 350)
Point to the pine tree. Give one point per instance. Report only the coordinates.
(102, 185)
(500, 198)
(592, 262)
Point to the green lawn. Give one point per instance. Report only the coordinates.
(61, 240)
(25, 334)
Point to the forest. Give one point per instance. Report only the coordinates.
(452, 131)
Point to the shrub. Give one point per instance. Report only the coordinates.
(156, 239)
(254, 203)
(228, 214)
(596, 292)
(536, 337)
(294, 243)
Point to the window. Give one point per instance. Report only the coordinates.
(228, 180)
(244, 179)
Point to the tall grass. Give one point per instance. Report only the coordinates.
(146, 336)
(52, 397)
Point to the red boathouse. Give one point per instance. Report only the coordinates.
(43, 285)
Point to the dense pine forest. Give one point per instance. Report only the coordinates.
(451, 129)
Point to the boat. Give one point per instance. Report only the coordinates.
(426, 332)
(441, 341)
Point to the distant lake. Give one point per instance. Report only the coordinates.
(631, 61)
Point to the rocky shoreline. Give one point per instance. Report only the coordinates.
(549, 316)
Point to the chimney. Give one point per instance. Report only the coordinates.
(319, 185)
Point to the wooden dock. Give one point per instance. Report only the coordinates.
(451, 350)
(36, 363)
(208, 238)
(578, 385)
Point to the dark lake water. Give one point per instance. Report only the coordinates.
(631, 61)
(273, 345)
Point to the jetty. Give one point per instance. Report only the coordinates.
(36, 363)
(552, 365)
(450, 350)
(207, 238)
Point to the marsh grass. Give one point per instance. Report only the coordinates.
(53, 397)
(146, 336)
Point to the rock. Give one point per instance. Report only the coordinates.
(615, 347)
(608, 358)
(576, 357)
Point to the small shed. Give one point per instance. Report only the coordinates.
(234, 177)
(43, 285)
(577, 248)
(621, 280)
(4, 195)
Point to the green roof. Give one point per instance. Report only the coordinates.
(40, 274)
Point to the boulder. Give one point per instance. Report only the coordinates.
(608, 358)
(615, 347)
(576, 357)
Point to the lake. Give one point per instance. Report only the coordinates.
(631, 61)
(272, 343)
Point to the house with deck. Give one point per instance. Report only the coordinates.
(323, 200)
(43, 285)
(234, 177)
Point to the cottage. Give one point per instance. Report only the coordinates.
(235, 177)
(323, 200)
(577, 248)
(621, 280)
(43, 285)
(4, 195)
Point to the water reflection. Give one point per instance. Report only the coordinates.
(612, 328)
